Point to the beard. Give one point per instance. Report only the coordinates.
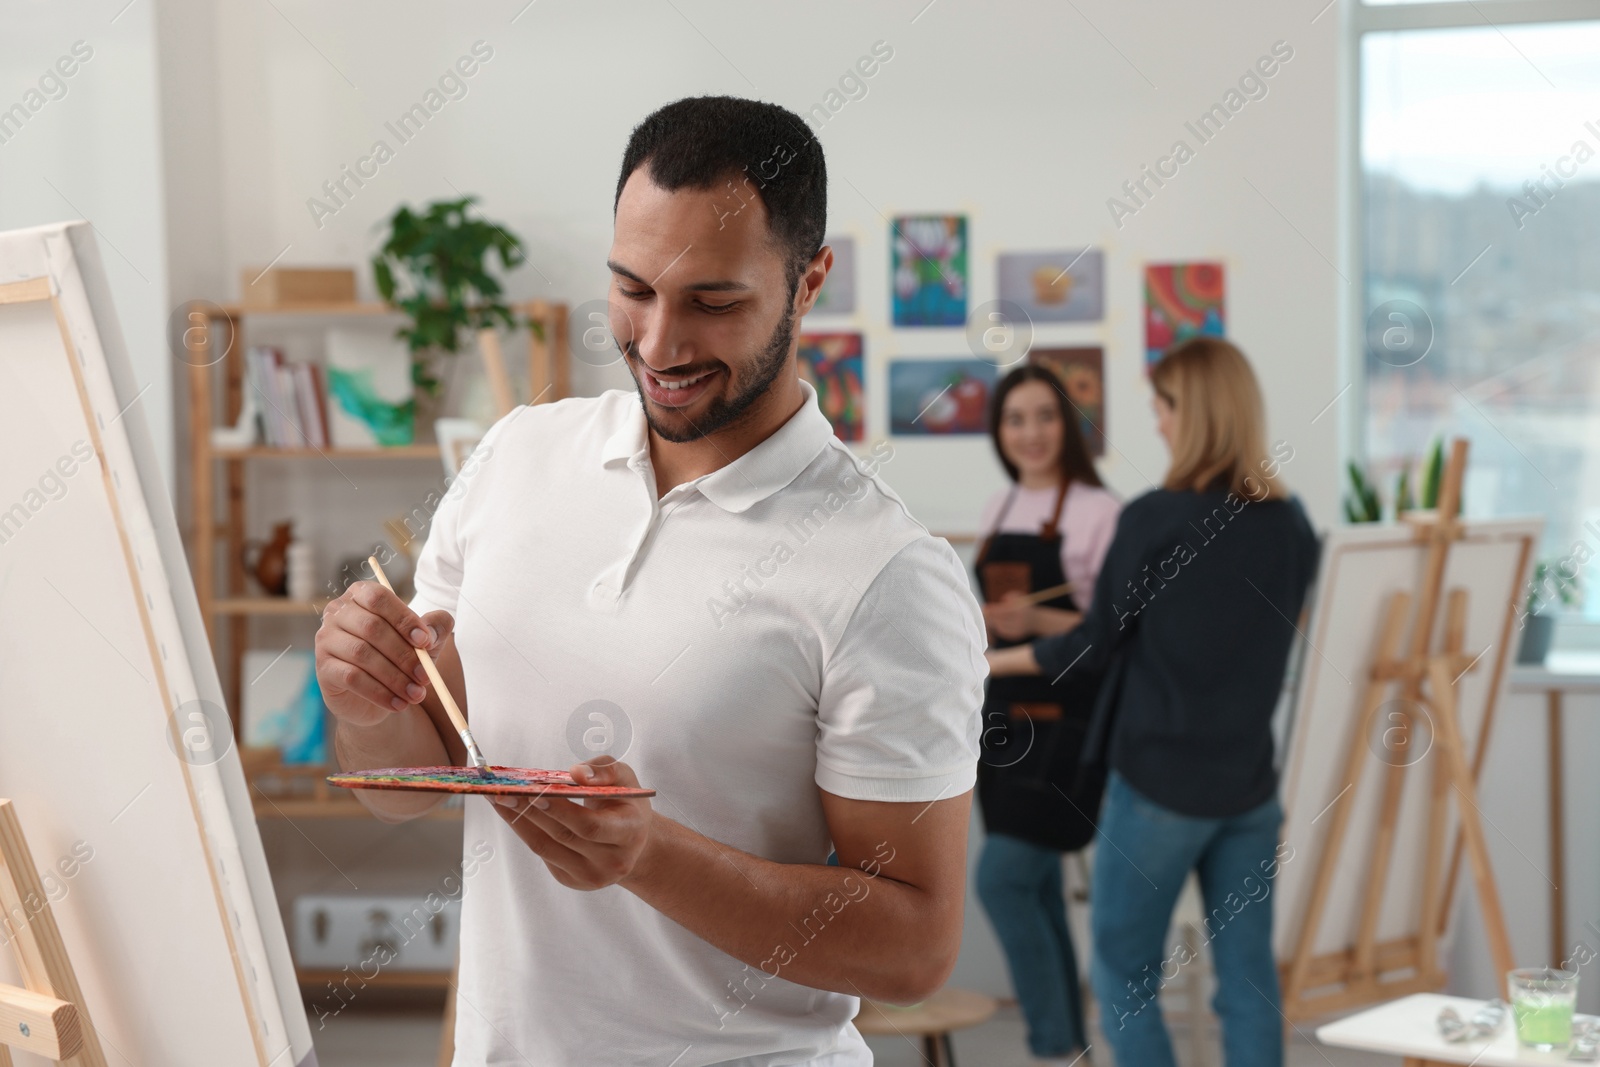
(762, 369)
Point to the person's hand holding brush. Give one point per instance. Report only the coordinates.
(374, 683)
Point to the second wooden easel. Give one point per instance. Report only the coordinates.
(1416, 680)
(48, 1017)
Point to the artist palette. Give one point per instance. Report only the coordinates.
(521, 781)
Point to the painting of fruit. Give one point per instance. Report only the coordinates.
(940, 396)
(1067, 285)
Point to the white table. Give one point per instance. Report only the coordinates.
(1561, 672)
(1409, 1027)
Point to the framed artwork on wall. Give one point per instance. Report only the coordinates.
(928, 270)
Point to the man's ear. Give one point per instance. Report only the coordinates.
(811, 280)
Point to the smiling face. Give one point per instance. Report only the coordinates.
(1031, 431)
(701, 307)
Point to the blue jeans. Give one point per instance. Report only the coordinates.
(1025, 897)
(1143, 855)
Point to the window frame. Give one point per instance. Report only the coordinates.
(1360, 18)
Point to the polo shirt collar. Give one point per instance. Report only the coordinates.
(757, 474)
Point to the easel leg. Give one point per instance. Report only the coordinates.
(1558, 849)
(1432, 859)
(40, 953)
(1448, 728)
(1438, 805)
(1382, 850)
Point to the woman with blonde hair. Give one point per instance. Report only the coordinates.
(1193, 617)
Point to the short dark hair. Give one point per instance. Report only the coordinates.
(700, 141)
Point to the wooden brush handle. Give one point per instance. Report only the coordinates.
(1048, 594)
(439, 687)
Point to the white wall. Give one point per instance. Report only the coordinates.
(94, 151)
(1025, 116)
(1027, 119)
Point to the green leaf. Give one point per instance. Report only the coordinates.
(1433, 474)
(1363, 504)
(384, 277)
(439, 258)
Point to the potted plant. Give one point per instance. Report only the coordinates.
(435, 268)
(1362, 505)
(1549, 584)
(1411, 492)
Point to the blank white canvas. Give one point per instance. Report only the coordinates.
(1361, 567)
(171, 924)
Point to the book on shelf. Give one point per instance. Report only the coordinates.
(291, 399)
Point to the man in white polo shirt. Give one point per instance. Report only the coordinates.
(702, 581)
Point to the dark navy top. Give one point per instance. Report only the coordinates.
(1193, 615)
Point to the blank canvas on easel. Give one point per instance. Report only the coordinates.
(1363, 567)
(167, 913)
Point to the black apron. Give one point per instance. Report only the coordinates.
(1030, 781)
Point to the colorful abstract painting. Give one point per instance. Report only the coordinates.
(1065, 286)
(1181, 300)
(508, 780)
(832, 363)
(928, 272)
(1082, 374)
(838, 296)
(940, 396)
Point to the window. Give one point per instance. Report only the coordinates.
(1479, 240)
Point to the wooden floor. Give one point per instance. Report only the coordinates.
(407, 1039)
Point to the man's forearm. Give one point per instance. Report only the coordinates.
(405, 739)
(850, 930)
(420, 735)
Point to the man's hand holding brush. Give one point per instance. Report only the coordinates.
(373, 682)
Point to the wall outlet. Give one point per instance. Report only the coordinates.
(339, 930)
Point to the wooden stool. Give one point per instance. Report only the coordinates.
(932, 1020)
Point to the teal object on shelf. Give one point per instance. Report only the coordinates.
(307, 739)
(392, 424)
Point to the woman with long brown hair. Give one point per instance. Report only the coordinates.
(1049, 528)
(1193, 616)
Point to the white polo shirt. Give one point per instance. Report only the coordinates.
(779, 625)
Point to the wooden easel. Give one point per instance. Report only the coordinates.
(48, 1017)
(1426, 680)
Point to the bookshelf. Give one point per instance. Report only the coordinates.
(217, 544)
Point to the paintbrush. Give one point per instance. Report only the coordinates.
(1046, 594)
(475, 758)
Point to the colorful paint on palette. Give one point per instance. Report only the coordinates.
(503, 780)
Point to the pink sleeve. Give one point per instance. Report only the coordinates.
(1088, 540)
(991, 514)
